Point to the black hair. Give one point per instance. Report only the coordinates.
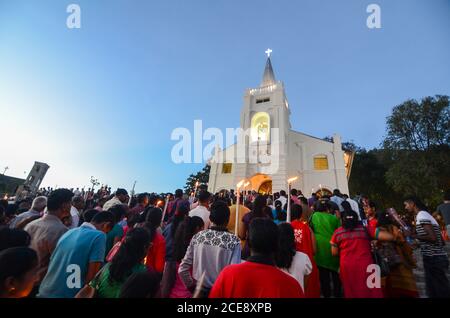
(268, 212)
(417, 202)
(336, 192)
(119, 211)
(303, 200)
(263, 236)
(132, 220)
(220, 213)
(258, 206)
(121, 191)
(153, 221)
(321, 206)
(178, 193)
(281, 214)
(283, 193)
(152, 199)
(286, 246)
(131, 252)
(141, 197)
(13, 238)
(141, 285)
(184, 234)
(372, 205)
(88, 215)
(103, 217)
(181, 211)
(384, 218)
(204, 196)
(57, 198)
(16, 262)
(296, 211)
(346, 206)
(349, 220)
(294, 192)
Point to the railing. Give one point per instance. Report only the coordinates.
(264, 90)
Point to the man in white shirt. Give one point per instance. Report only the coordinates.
(337, 198)
(282, 198)
(120, 197)
(353, 204)
(77, 192)
(202, 210)
(78, 205)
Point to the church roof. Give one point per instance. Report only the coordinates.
(269, 76)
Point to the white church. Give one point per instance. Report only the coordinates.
(315, 164)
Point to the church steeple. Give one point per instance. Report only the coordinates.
(269, 76)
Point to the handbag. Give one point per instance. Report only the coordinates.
(379, 259)
(389, 252)
(88, 291)
(381, 262)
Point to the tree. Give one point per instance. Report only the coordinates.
(202, 177)
(417, 144)
(415, 126)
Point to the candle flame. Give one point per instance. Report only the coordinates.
(292, 179)
(240, 183)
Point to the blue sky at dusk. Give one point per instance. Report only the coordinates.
(103, 100)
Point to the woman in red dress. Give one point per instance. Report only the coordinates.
(306, 243)
(352, 243)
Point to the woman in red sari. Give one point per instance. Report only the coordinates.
(352, 243)
(306, 243)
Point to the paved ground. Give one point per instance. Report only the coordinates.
(419, 272)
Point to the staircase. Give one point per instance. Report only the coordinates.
(419, 272)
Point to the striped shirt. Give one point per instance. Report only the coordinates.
(428, 248)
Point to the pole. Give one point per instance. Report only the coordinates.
(288, 215)
(165, 208)
(132, 193)
(237, 212)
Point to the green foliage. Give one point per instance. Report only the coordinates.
(418, 147)
(202, 177)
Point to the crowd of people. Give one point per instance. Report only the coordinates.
(83, 244)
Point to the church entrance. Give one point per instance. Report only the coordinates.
(265, 187)
(261, 183)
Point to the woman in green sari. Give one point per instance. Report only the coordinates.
(323, 224)
(128, 260)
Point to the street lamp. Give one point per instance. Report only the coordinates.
(288, 217)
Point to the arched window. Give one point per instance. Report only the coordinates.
(260, 127)
(320, 162)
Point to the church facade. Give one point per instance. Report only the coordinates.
(273, 152)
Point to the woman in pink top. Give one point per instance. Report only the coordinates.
(183, 236)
